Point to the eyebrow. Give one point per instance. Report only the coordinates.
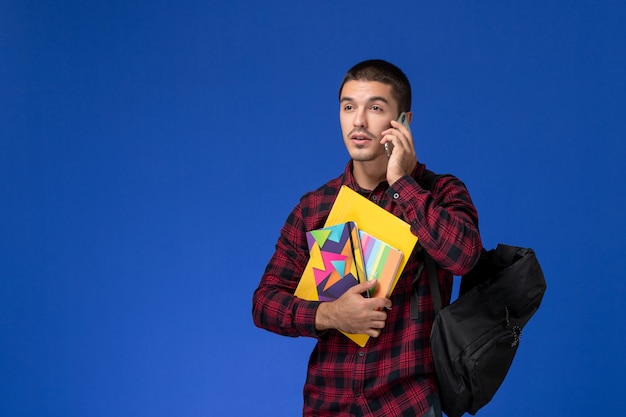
(370, 100)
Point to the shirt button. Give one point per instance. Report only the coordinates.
(361, 353)
(396, 196)
(374, 197)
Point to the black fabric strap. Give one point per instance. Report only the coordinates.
(434, 283)
(415, 311)
(427, 182)
(431, 270)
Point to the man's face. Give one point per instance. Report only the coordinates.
(366, 109)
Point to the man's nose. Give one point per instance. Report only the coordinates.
(360, 120)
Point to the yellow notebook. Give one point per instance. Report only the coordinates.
(350, 206)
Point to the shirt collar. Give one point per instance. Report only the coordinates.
(350, 181)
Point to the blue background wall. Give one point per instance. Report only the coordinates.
(150, 152)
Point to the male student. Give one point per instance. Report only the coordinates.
(393, 374)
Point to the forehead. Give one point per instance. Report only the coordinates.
(362, 90)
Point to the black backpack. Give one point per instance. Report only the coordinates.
(475, 338)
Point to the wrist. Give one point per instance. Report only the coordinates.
(323, 316)
(391, 179)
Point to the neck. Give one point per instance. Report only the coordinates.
(368, 174)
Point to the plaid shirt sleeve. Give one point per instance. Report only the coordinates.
(275, 308)
(445, 221)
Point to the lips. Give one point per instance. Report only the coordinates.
(360, 138)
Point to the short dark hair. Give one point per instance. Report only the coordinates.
(384, 72)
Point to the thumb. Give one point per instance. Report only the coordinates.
(364, 286)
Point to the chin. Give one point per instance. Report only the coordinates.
(363, 156)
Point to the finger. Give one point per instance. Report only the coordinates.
(363, 286)
(380, 305)
(376, 330)
(373, 332)
(393, 139)
(380, 317)
(391, 133)
(397, 138)
(399, 127)
(378, 325)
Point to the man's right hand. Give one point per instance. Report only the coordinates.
(353, 313)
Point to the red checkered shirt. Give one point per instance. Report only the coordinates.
(393, 374)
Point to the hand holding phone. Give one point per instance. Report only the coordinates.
(388, 145)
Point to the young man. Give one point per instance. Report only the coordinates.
(393, 374)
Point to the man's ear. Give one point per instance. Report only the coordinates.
(409, 116)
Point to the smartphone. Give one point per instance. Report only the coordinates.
(403, 119)
(388, 145)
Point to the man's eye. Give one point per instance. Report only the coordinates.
(348, 107)
(377, 108)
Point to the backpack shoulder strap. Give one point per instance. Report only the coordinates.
(434, 284)
(427, 182)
